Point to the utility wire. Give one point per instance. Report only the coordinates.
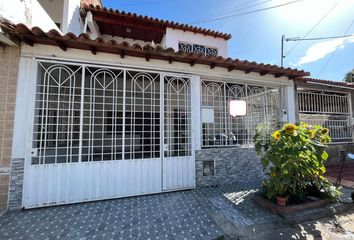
(321, 38)
(313, 28)
(235, 9)
(249, 12)
(330, 58)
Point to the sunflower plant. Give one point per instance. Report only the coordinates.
(293, 158)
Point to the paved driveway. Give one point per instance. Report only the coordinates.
(177, 215)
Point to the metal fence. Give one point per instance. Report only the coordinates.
(328, 109)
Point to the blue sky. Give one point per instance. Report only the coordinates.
(256, 37)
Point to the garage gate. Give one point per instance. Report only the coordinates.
(101, 133)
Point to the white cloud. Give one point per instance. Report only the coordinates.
(322, 49)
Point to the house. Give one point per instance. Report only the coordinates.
(329, 104)
(99, 104)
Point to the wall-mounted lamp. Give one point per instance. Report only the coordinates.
(237, 107)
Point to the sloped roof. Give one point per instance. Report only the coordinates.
(109, 12)
(327, 82)
(21, 32)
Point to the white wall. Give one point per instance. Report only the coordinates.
(173, 36)
(72, 21)
(29, 12)
(54, 9)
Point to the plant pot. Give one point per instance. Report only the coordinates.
(281, 201)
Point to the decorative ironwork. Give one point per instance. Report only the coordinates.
(211, 51)
(85, 113)
(262, 108)
(177, 115)
(185, 47)
(328, 109)
(197, 48)
(56, 115)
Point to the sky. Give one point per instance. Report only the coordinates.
(257, 36)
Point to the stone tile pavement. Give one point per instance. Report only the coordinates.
(177, 215)
(205, 213)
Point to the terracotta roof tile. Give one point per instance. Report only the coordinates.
(20, 32)
(330, 82)
(164, 23)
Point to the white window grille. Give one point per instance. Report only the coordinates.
(85, 113)
(197, 48)
(177, 112)
(57, 114)
(262, 108)
(328, 109)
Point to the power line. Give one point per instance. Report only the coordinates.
(249, 12)
(318, 38)
(330, 58)
(313, 28)
(237, 8)
(324, 38)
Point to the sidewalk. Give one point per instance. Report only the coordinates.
(339, 227)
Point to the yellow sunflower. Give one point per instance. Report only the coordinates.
(312, 134)
(323, 140)
(289, 128)
(325, 131)
(276, 135)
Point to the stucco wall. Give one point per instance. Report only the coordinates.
(54, 9)
(9, 62)
(28, 12)
(173, 36)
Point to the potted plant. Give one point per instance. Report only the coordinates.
(293, 159)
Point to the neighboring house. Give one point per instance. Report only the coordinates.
(112, 104)
(328, 103)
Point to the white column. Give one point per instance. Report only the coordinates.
(289, 98)
(196, 117)
(25, 94)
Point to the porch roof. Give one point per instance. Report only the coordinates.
(326, 82)
(115, 23)
(21, 32)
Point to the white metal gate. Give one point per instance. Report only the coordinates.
(103, 133)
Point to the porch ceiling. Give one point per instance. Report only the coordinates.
(140, 21)
(35, 35)
(124, 26)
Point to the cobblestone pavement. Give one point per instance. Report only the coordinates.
(176, 215)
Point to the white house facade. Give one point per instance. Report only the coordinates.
(114, 105)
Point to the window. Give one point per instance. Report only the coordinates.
(198, 49)
(221, 129)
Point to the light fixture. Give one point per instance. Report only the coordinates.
(237, 108)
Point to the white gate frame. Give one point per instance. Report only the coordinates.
(28, 71)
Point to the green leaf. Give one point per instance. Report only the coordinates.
(324, 155)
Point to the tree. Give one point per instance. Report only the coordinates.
(349, 77)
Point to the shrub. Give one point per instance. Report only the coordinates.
(294, 159)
